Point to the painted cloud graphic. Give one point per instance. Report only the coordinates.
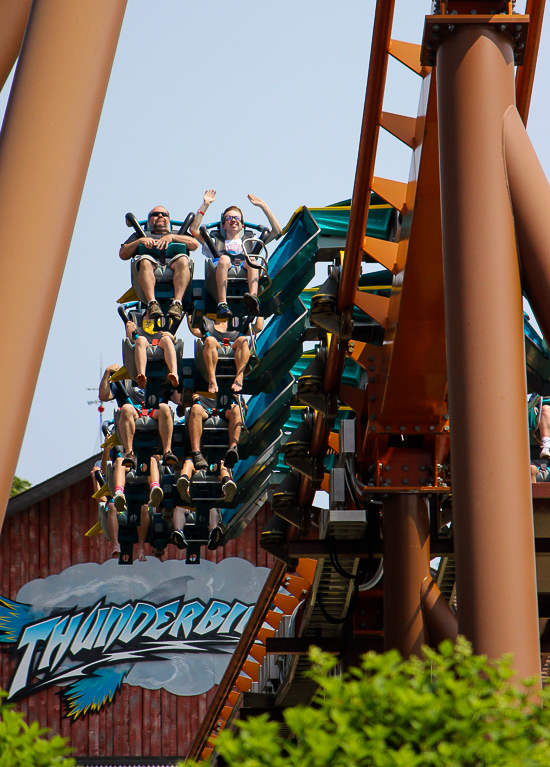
(155, 625)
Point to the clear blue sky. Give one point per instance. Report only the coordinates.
(243, 97)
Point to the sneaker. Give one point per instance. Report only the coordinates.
(252, 303)
(129, 460)
(545, 452)
(223, 312)
(169, 459)
(229, 488)
(183, 488)
(199, 461)
(175, 312)
(119, 501)
(156, 497)
(214, 538)
(178, 537)
(154, 311)
(231, 458)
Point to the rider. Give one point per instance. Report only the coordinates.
(160, 236)
(231, 252)
(141, 331)
(130, 412)
(216, 336)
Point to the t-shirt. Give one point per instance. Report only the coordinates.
(135, 236)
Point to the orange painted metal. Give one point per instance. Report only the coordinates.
(13, 19)
(382, 251)
(525, 76)
(393, 192)
(45, 146)
(439, 620)
(406, 565)
(367, 151)
(231, 676)
(409, 55)
(401, 127)
(530, 195)
(413, 373)
(492, 512)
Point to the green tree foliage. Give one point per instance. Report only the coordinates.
(22, 745)
(449, 709)
(19, 485)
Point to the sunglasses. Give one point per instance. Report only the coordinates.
(160, 213)
(238, 219)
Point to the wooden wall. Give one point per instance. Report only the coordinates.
(49, 537)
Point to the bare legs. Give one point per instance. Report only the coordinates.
(210, 357)
(164, 417)
(142, 532)
(182, 275)
(222, 267)
(146, 278)
(242, 355)
(127, 426)
(197, 415)
(167, 346)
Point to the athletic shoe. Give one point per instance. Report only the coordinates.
(178, 537)
(223, 312)
(120, 501)
(156, 497)
(183, 488)
(229, 489)
(154, 311)
(231, 458)
(252, 303)
(175, 312)
(214, 538)
(129, 460)
(545, 452)
(169, 459)
(199, 461)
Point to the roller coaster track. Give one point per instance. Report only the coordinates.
(407, 394)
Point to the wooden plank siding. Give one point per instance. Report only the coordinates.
(46, 538)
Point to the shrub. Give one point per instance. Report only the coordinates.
(448, 709)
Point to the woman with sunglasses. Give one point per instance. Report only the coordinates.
(231, 249)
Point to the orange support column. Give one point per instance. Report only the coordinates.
(406, 566)
(13, 18)
(492, 513)
(45, 146)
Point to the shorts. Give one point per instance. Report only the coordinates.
(534, 413)
(156, 262)
(208, 404)
(236, 261)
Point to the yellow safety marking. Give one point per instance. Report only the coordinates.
(120, 375)
(130, 295)
(111, 441)
(101, 492)
(95, 530)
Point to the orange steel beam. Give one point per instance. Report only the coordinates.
(370, 128)
(45, 146)
(372, 114)
(526, 74)
(269, 590)
(13, 19)
(413, 371)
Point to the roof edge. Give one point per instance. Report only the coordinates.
(50, 486)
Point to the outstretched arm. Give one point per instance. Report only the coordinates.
(275, 225)
(209, 197)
